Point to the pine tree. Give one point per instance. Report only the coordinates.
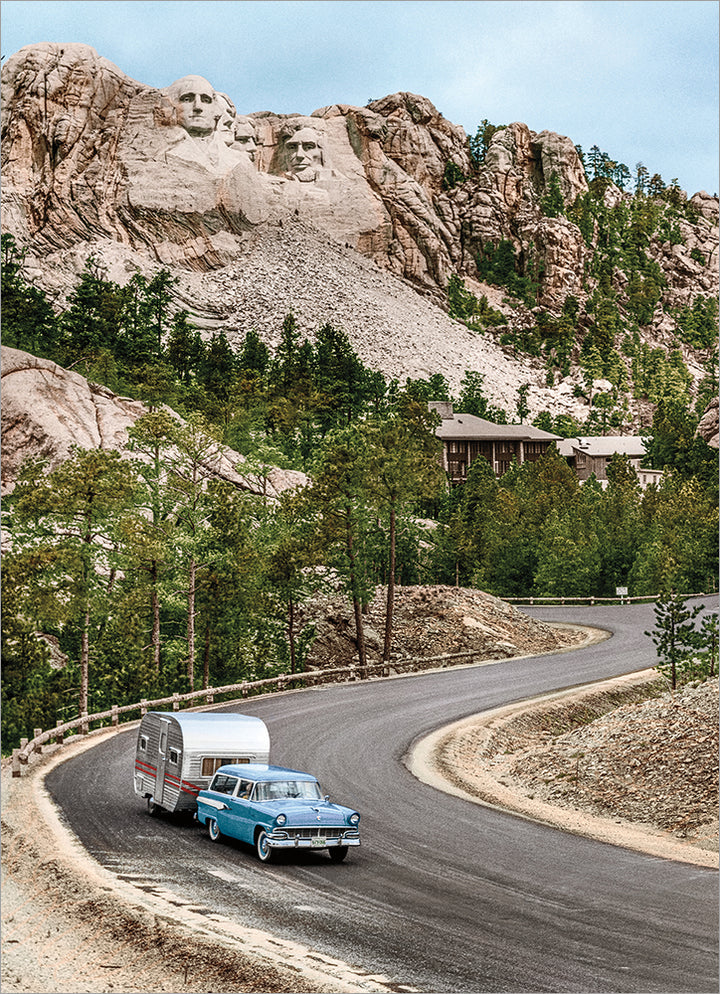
(675, 635)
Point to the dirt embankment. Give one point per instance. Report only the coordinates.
(626, 762)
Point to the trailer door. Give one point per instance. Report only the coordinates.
(162, 760)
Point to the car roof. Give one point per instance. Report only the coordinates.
(261, 771)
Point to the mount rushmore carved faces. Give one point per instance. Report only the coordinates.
(304, 155)
(198, 109)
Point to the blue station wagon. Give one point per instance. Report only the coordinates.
(272, 808)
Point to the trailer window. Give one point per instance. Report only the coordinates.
(212, 763)
(143, 743)
(174, 756)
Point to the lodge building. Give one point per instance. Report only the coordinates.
(465, 437)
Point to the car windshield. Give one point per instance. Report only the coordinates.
(276, 790)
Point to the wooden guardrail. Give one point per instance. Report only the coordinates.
(396, 665)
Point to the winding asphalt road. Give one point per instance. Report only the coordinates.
(443, 895)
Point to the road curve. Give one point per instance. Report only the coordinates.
(443, 895)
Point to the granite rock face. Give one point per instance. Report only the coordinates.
(321, 214)
(90, 153)
(48, 410)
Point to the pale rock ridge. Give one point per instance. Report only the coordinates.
(48, 410)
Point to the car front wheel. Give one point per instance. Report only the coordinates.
(338, 855)
(213, 830)
(265, 853)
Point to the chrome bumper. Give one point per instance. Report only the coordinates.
(310, 842)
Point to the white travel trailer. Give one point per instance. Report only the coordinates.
(178, 753)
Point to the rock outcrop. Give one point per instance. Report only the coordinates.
(47, 411)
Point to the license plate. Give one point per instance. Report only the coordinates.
(320, 843)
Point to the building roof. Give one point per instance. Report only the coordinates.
(468, 427)
(598, 446)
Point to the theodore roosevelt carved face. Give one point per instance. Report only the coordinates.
(305, 154)
(197, 105)
(245, 140)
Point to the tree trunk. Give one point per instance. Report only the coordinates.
(291, 631)
(357, 606)
(155, 603)
(84, 663)
(390, 608)
(206, 659)
(191, 626)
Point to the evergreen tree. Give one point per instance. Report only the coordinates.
(675, 636)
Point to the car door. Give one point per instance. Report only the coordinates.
(240, 812)
(222, 788)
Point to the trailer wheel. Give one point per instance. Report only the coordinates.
(264, 852)
(213, 830)
(153, 808)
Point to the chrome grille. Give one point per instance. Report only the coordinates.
(313, 832)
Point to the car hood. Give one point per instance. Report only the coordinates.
(299, 812)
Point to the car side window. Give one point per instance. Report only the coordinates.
(245, 790)
(224, 784)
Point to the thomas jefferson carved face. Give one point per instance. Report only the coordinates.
(197, 105)
(305, 155)
(245, 136)
(227, 118)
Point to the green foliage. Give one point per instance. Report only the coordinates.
(676, 637)
(466, 307)
(498, 265)
(698, 325)
(479, 143)
(452, 176)
(552, 204)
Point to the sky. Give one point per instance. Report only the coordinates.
(638, 78)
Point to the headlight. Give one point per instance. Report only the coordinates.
(354, 819)
(280, 820)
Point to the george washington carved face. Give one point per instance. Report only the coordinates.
(197, 105)
(305, 154)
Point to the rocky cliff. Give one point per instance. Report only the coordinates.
(355, 215)
(47, 410)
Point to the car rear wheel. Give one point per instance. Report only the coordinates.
(338, 854)
(213, 830)
(265, 853)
